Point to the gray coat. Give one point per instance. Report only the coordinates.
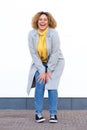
(55, 58)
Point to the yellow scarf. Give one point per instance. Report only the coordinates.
(41, 47)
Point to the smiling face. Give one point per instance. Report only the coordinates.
(42, 22)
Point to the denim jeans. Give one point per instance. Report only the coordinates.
(39, 97)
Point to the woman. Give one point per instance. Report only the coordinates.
(47, 65)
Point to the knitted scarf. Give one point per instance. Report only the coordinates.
(41, 47)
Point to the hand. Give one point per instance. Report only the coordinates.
(48, 76)
(41, 77)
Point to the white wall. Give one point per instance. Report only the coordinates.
(15, 59)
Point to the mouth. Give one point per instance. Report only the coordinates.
(42, 25)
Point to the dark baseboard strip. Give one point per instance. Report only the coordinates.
(28, 103)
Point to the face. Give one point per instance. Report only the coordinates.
(43, 22)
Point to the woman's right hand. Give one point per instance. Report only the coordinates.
(41, 78)
(44, 77)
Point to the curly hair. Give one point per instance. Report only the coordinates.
(51, 21)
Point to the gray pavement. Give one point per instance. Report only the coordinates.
(24, 120)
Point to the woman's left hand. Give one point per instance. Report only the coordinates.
(48, 76)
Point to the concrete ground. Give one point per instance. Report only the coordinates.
(24, 120)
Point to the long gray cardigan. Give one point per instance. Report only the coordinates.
(55, 58)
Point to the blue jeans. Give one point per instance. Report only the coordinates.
(39, 97)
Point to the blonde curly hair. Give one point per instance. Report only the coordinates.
(51, 21)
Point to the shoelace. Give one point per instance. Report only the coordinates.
(39, 115)
(52, 116)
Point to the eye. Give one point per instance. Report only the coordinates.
(45, 19)
(40, 19)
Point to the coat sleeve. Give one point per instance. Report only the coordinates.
(55, 53)
(35, 57)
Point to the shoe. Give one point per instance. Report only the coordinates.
(53, 119)
(39, 118)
